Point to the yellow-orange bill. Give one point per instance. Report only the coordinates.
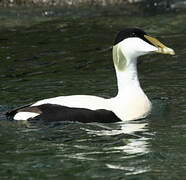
(161, 47)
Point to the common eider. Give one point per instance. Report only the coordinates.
(130, 103)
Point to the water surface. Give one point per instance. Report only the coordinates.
(71, 55)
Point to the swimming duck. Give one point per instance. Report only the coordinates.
(130, 103)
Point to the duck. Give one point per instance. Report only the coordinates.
(130, 103)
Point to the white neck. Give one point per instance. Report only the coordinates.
(128, 79)
(130, 102)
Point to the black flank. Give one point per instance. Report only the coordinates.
(53, 113)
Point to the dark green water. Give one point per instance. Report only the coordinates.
(43, 57)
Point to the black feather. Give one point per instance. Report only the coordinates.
(54, 112)
(129, 33)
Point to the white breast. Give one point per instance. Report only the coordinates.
(137, 108)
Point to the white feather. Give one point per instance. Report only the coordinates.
(81, 101)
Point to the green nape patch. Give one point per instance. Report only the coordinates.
(119, 58)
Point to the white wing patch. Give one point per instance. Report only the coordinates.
(25, 115)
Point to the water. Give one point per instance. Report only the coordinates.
(70, 55)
